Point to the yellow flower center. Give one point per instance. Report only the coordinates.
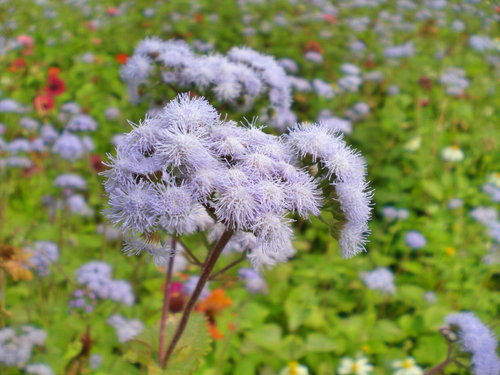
(355, 367)
(407, 363)
(293, 368)
(455, 147)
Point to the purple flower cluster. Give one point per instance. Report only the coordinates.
(379, 279)
(237, 78)
(126, 329)
(476, 339)
(43, 255)
(16, 348)
(415, 240)
(96, 277)
(254, 282)
(174, 170)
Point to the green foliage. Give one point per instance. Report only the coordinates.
(186, 358)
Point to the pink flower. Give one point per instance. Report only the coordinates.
(25, 40)
(112, 11)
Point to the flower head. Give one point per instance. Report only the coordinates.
(407, 367)
(185, 167)
(359, 366)
(476, 339)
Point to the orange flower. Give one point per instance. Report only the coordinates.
(312, 45)
(215, 302)
(53, 71)
(121, 58)
(17, 65)
(214, 332)
(15, 262)
(198, 17)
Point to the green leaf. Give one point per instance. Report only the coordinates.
(318, 342)
(268, 336)
(188, 354)
(388, 331)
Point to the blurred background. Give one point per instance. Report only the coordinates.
(411, 84)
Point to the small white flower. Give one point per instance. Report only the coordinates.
(407, 367)
(359, 366)
(413, 144)
(452, 154)
(294, 368)
(494, 179)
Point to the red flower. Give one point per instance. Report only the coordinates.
(17, 65)
(121, 58)
(43, 103)
(55, 86)
(177, 297)
(198, 17)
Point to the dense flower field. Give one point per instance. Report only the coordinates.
(249, 187)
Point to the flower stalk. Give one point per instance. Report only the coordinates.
(208, 266)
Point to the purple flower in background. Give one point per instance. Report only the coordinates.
(379, 279)
(415, 240)
(254, 282)
(43, 255)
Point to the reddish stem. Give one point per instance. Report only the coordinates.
(166, 303)
(208, 266)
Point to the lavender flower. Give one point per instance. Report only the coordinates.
(29, 123)
(190, 285)
(415, 240)
(345, 168)
(78, 205)
(16, 348)
(350, 83)
(477, 339)
(71, 181)
(173, 169)
(379, 279)
(96, 276)
(323, 88)
(397, 52)
(126, 329)
(19, 145)
(39, 369)
(43, 255)
(11, 106)
(18, 162)
(81, 123)
(254, 282)
(242, 74)
(69, 147)
(48, 133)
(393, 213)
